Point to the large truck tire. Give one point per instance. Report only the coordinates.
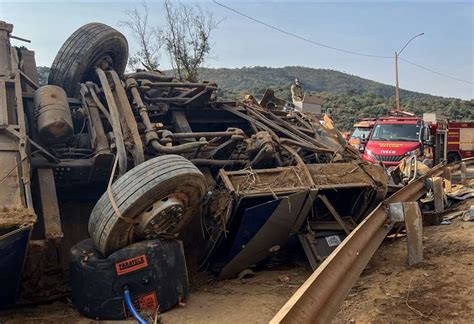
(162, 193)
(154, 271)
(89, 46)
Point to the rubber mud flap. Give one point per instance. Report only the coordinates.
(155, 272)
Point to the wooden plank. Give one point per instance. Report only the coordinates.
(414, 228)
(224, 176)
(49, 204)
(334, 212)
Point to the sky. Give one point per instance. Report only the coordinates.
(374, 27)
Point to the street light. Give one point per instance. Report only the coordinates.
(397, 54)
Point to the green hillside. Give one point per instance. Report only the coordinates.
(350, 97)
(315, 80)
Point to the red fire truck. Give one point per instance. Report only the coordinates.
(396, 137)
(362, 130)
(460, 140)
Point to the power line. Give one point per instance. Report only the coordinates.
(298, 36)
(335, 48)
(435, 72)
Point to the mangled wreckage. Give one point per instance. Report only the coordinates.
(140, 162)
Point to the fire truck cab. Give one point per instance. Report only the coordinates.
(396, 137)
(361, 131)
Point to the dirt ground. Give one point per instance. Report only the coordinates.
(252, 300)
(440, 289)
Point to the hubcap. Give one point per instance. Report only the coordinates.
(160, 218)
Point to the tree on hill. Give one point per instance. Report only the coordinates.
(185, 36)
(147, 36)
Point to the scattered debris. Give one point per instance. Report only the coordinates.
(469, 214)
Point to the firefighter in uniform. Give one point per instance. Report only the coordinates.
(297, 94)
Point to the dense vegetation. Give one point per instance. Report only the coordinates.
(43, 73)
(350, 97)
(315, 80)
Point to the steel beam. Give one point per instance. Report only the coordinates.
(49, 205)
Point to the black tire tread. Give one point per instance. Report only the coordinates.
(72, 62)
(125, 184)
(132, 185)
(147, 181)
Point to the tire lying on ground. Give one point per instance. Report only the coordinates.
(92, 45)
(154, 182)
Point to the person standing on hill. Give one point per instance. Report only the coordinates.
(297, 93)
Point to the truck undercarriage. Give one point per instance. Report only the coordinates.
(127, 158)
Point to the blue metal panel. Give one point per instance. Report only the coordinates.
(252, 220)
(13, 246)
(257, 238)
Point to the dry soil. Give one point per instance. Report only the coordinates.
(440, 289)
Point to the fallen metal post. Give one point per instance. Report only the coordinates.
(321, 295)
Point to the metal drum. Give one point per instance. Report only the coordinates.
(53, 116)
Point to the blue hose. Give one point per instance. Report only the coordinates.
(128, 302)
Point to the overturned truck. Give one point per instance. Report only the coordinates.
(115, 185)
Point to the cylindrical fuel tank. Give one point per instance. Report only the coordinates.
(53, 116)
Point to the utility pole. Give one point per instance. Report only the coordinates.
(397, 87)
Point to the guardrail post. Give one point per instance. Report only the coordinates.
(436, 185)
(447, 179)
(463, 173)
(414, 228)
(438, 193)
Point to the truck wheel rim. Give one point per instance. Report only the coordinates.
(162, 217)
